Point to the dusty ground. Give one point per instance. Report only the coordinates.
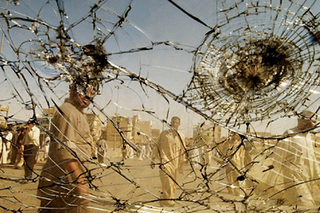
(140, 185)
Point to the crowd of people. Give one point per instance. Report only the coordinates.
(20, 148)
(291, 178)
(293, 168)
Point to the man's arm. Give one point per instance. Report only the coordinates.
(73, 167)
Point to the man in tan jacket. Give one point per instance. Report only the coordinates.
(170, 151)
(64, 180)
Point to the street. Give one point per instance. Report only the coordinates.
(132, 186)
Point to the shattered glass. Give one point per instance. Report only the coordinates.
(239, 73)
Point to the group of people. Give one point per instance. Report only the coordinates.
(20, 148)
(293, 175)
(144, 151)
(6, 148)
(64, 173)
(169, 156)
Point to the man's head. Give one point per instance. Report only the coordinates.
(31, 123)
(82, 94)
(306, 120)
(175, 122)
(87, 74)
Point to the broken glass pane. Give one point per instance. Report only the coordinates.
(99, 82)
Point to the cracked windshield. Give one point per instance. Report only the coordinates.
(159, 106)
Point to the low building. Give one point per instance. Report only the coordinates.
(117, 128)
(141, 130)
(133, 129)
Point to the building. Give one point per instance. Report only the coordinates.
(133, 129)
(141, 130)
(118, 127)
(155, 133)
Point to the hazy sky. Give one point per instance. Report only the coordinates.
(168, 64)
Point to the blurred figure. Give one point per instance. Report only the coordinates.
(130, 152)
(93, 144)
(238, 155)
(142, 151)
(14, 148)
(194, 154)
(31, 144)
(295, 164)
(19, 159)
(6, 146)
(124, 151)
(102, 148)
(170, 152)
(45, 146)
(148, 150)
(2, 138)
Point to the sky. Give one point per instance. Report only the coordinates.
(171, 36)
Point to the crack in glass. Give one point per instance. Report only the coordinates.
(159, 106)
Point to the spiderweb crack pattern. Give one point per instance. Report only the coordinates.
(257, 62)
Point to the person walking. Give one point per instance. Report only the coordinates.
(63, 176)
(45, 146)
(64, 179)
(6, 146)
(170, 152)
(237, 151)
(31, 143)
(295, 165)
(102, 148)
(14, 148)
(19, 159)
